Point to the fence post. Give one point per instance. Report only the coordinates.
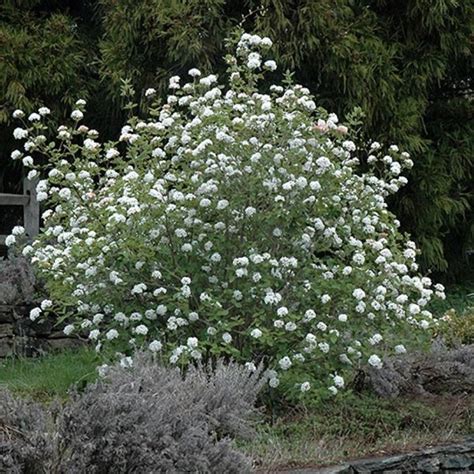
(31, 210)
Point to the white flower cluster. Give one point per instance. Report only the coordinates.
(232, 222)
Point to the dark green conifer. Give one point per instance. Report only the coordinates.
(407, 64)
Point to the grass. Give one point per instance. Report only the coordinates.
(48, 376)
(358, 426)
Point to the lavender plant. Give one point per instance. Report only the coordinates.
(442, 371)
(228, 222)
(148, 418)
(144, 418)
(27, 441)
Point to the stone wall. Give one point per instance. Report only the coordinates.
(453, 458)
(19, 336)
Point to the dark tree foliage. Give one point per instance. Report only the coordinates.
(407, 64)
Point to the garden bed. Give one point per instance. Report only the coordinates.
(346, 428)
(359, 427)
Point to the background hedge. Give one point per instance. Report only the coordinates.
(407, 64)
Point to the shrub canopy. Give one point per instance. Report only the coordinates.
(228, 221)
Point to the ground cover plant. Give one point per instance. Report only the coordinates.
(457, 312)
(458, 327)
(441, 371)
(358, 426)
(229, 221)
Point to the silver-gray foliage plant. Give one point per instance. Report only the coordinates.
(144, 418)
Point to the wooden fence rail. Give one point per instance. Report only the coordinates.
(31, 210)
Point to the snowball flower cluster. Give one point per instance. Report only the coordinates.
(230, 222)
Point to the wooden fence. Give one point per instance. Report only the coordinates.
(31, 211)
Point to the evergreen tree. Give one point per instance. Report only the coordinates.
(47, 56)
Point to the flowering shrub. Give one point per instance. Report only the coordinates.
(229, 222)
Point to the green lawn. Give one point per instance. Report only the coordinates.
(48, 376)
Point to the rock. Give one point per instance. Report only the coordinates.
(457, 457)
(56, 335)
(427, 464)
(457, 462)
(343, 469)
(17, 281)
(22, 337)
(18, 334)
(367, 466)
(63, 343)
(41, 328)
(6, 315)
(6, 348)
(439, 372)
(8, 293)
(452, 458)
(6, 330)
